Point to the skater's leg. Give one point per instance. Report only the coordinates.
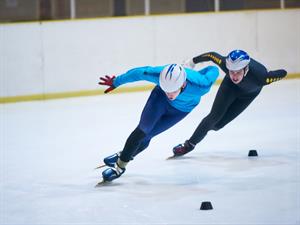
(143, 145)
(131, 145)
(226, 95)
(168, 120)
(152, 112)
(158, 115)
(224, 98)
(235, 109)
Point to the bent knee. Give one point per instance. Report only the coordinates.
(138, 133)
(218, 127)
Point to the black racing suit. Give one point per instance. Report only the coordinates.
(232, 99)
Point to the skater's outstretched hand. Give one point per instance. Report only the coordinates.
(189, 63)
(107, 80)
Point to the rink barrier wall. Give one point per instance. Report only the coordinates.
(85, 93)
(69, 56)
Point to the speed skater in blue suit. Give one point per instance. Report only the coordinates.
(177, 92)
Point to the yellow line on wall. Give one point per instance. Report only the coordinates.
(48, 96)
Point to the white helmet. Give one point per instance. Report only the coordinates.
(172, 77)
(237, 60)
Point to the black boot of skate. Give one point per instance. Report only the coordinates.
(182, 149)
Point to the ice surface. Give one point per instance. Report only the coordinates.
(49, 149)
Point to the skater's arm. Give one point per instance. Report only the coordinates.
(205, 77)
(274, 75)
(214, 57)
(264, 76)
(146, 73)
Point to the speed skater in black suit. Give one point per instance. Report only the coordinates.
(244, 80)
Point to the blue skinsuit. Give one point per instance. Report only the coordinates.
(160, 113)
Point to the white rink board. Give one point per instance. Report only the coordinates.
(65, 56)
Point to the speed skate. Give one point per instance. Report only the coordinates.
(100, 166)
(102, 183)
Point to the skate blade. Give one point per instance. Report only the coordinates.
(98, 167)
(172, 157)
(102, 183)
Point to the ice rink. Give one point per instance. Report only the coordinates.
(49, 150)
